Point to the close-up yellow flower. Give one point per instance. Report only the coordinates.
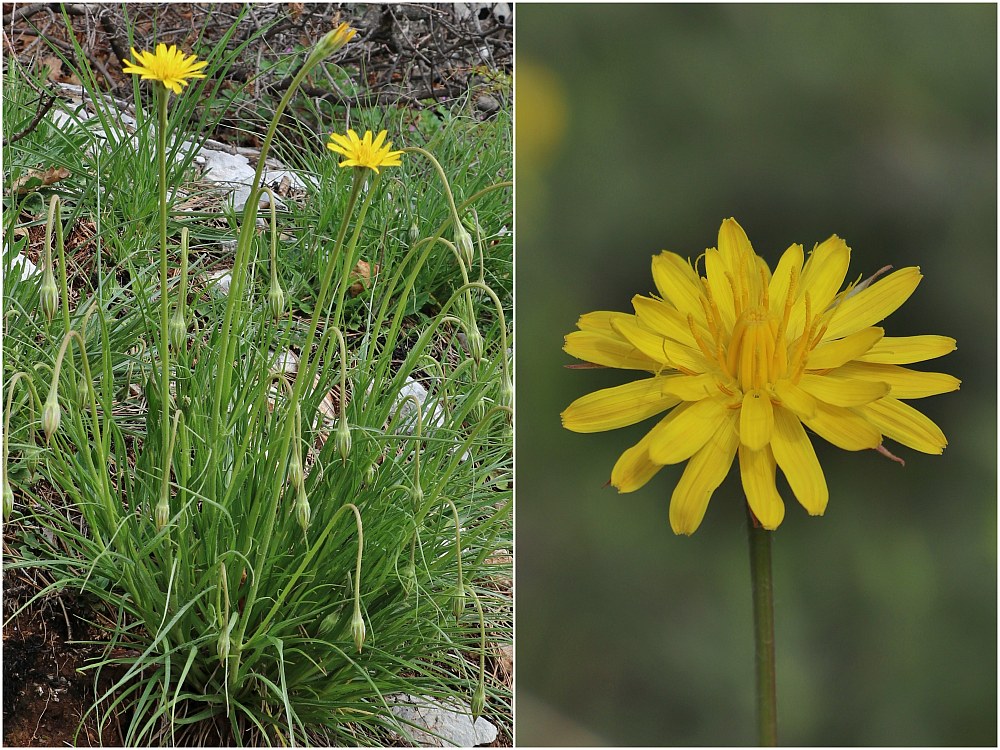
(742, 359)
(168, 65)
(364, 152)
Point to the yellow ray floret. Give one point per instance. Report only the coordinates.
(743, 361)
(168, 65)
(364, 152)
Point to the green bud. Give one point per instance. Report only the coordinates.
(276, 299)
(506, 391)
(463, 241)
(302, 509)
(8, 497)
(223, 644)
(177, 330)
(161, 514)
(358, 629)
(370, 473)
(343, 439)
(48, 295)
(478, 701)
(327, 624)
(475, 340)
(295, 473)
(83, 392)
(417, 496)
(459, 600)
(414, 232)
(32, 457)
(408, 577)
(51, 415)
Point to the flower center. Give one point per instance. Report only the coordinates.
(756, 357)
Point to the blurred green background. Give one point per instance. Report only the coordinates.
(640, 128)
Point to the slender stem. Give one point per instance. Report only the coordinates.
(763, 630)
(161, 158)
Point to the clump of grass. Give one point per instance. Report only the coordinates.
(272, 575)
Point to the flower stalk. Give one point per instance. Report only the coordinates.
(763, 630)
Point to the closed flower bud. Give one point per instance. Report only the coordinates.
(31, 460)
(358, 629)
(506, 392)
(276, 299)
(459, 600)
(327, 624)
(463, 241)
(295, 474)
(478, 701)
(475, 341)
(343, 439)
(414, 232)
(83, 392)
(334, 40)
(370, 473)
(408, 577)
(417, 495)
(8, 498)
(302, 509)
(177, 330)
(223, 644)
(48, 296)
(51, 415)
(161, 514)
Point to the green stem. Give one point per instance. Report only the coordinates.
(161, 159)
(763, 630)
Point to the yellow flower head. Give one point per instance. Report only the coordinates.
(168, 65)
(364, 152)
(335, 39)
(741, 358)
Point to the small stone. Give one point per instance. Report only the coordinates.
(487, 104)
(447, 724)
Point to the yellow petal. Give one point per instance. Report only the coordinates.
(690, 387)
(634, 467)
(734, 245)
(904, 424)
(677, 283)
(796, 399)
(689, 427)
(702, 476)
(611, 408)
(777, 293)
(845, 428)
(654, 346)
(903, 383)
(600, 320)
(842, 391)
(609, 351)
(875, 303)
(722, 291)
(831, 354)
(662, 317)
(822, 277)
(904, 350)
(757, 469)
(794, 453)
(756, 420)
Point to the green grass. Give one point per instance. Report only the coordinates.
(230, 621)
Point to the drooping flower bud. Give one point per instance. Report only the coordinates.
(371, 472)
(161, 514)
(414, 232)
(48, 295)
(478, 701)
(358, 629)
(475, 341)
(458, 602)
(8, 497)
(343, 439)
(177, 330)
(463, 241)
(327, 624)
(83, 389)
(302, 509)
(296, 476)
(222, 646)
(51, 414)
(408, 577)
(276, 299)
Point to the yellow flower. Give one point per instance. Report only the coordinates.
(168, 65)
(335, 39)
(742, 358)
(364, 152)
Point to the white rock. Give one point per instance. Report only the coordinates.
(222, 279)
(447, 724)
(286, 362)
(28, 269)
